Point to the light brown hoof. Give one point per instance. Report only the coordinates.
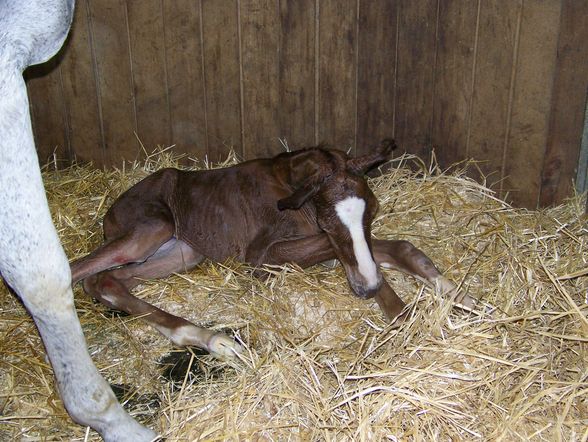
(223, 347)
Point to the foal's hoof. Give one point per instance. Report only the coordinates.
(445, 287)
(223, 347)
(448, 289)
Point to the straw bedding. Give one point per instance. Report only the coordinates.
(319, 364)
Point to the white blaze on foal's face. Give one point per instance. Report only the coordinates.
(350, 211)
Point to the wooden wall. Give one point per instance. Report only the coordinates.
(502, 81)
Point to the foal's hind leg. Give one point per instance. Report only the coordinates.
(133, 246)
(112, 289)
(403, 256)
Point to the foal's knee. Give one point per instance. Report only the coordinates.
(103, 288)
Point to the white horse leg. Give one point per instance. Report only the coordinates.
(35, 266)
(31, 258)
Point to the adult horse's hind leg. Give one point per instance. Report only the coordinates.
(112, 288)
(405, 257)
(31, 258)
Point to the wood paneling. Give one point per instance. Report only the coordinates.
(48, 115)
(456, 44)
(222, 74)
(534, 72)
(415, 75)
(376, 73)
(260, 38)
(503, 82)
(337, 72)
(569, 98)
(497, 36)
(297, 72)
(185, 76)
(149, 76)
(116, 100)
(79, 88)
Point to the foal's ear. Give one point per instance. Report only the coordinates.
(363, 164)
(298, 198)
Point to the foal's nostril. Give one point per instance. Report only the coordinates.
(365, 291)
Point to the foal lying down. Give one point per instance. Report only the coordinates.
(304, 207)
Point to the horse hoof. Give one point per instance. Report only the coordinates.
(223, 346)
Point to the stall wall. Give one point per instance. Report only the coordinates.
(500, 81)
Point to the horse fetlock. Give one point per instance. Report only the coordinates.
(222, 346)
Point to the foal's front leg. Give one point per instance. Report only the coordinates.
(405, 257)
(315, 249)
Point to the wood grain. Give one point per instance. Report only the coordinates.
(494, 80)
(79, 90)
(115, 91)
(260, 37)
(185, 76)
(415, 75)
(454, 78)
(297, 68)
(376, 73)
(222, 77)
(146, 37)
(535, 69)
(501, 81)
(337, 72)
(567, 121)
(47, 107)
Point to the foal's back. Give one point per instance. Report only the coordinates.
(218, 212)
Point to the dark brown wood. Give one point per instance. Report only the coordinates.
(535, 69)
(502, 82)
(569, 97)
(146, 37)
(79, 89)
(113, 70)
(185, 76)
(297, 72)
(337, 72)
(222, 77)
(45, 90)
(260, 37)
(415, 75)
(376, 73)
(456, 45)
(498, 29)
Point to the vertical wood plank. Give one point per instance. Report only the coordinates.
(497, 40)
(113, 69)
(222, 77)
(297, 67)
(456, 40)
(569, 96)
(80, 93)
(259, 53)
(535, 71)
(376, 72)
(337, 72)
(47, 108)
(415, 75)
(146, 37)
(185, 78)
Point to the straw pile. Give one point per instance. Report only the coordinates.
(320, 365)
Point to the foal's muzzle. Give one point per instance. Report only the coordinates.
(361, 288)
